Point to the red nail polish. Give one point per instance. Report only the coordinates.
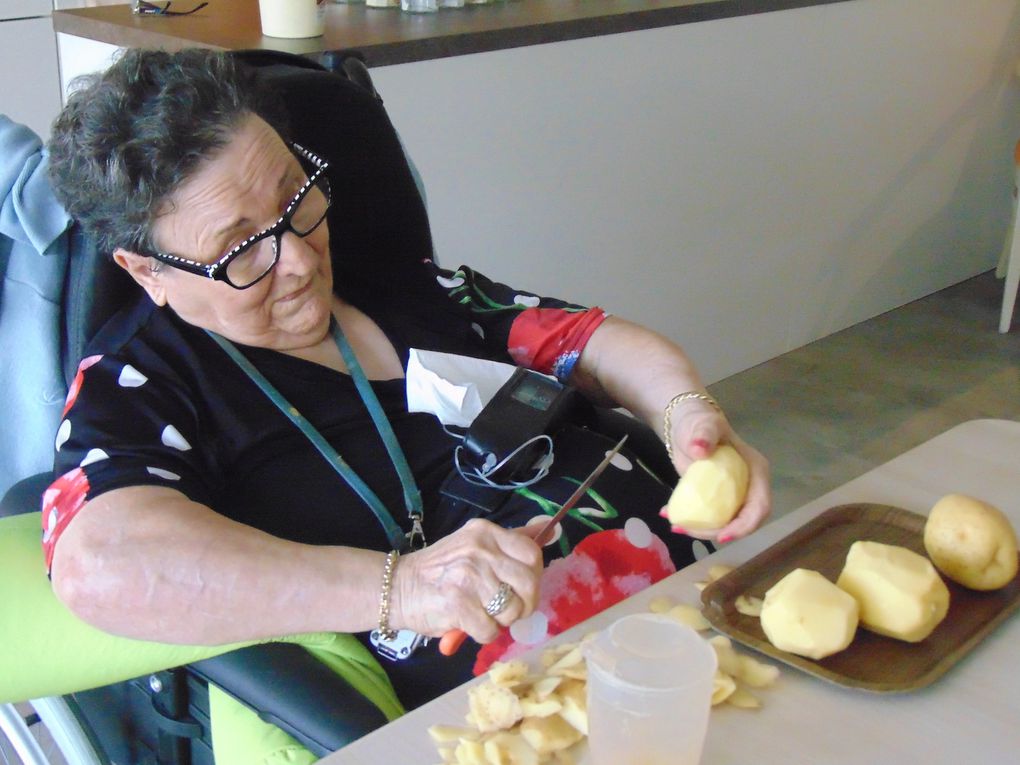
(678, 529)
(725, 539)
(664, 513)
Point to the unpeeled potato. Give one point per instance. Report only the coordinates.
(971, 542)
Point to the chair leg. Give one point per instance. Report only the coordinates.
(1009, 262)
(1000, 268)
(1011, 286)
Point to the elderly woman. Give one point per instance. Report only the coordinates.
(195, 503)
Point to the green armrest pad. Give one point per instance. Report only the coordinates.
(45, 650)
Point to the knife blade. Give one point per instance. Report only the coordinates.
(452, 640)
(550, 527)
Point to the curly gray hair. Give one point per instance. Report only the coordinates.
(131, 135)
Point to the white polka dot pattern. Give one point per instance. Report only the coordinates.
(94, 455)
(449, 283)
(172, 437)
(131, 377)
(637, 532)
(63, 433)
(541, 520)
(620, 462)
(527, 300)
(160, 473)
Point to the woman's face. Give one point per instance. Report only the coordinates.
(239, 191)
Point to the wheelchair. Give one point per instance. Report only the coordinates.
(162, 717)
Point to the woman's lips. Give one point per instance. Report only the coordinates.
(296, 293)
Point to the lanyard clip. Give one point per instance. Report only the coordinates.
(416, 536)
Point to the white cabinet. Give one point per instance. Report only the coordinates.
(29, 80)
(22, 9)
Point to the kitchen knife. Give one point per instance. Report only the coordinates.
(452, 640)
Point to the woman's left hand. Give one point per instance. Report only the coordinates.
(625, 364)
(698, 428)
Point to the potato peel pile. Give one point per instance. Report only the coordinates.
(736, 672)
(516, 717)
(519, 718)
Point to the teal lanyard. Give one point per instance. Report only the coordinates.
(415, 538)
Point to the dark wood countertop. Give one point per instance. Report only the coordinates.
(388, 36)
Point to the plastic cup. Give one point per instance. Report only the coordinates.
(292, 18)
(649, 692)
(419, 6)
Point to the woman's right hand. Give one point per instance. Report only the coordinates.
(448, 584)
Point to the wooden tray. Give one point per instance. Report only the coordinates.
(872, 662)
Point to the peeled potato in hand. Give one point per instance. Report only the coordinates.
(710, 492)
(971, 542)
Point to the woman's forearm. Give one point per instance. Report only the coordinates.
(630, 366)
(150, 564)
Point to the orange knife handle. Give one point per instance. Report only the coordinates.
(451, 641)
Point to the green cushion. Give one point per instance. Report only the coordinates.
(47, 651)
(239, 737)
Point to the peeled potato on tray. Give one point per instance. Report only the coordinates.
(710, 492)
(806, 614)
(971, 542)
(899, 591)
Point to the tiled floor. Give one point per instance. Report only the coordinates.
(833, 409)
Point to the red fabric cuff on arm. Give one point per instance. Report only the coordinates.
(550, 340)
(61, 502)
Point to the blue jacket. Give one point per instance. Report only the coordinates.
(34, 252)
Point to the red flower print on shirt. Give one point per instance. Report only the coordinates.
(550, 340)
(61, 502)
(79, 378)
(603, 569)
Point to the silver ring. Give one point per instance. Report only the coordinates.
(500, 600)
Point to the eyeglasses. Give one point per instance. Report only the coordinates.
(251, 260)
(143, 8)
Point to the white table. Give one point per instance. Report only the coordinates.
(971, 714)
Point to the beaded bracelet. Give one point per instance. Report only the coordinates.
(667, 426)
(385, 631)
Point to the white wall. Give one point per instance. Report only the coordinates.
(80, 56)
(744, 186)
(29, 87)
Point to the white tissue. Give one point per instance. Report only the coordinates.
(452, 387)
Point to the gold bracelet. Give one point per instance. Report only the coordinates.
(667, 425)
(385, 631)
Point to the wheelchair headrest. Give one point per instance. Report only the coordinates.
(378, 223)
(94, 290)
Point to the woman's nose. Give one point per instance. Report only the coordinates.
(298, 255)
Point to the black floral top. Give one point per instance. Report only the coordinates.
(157, 402)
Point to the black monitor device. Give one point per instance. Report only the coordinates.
(529, 404)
